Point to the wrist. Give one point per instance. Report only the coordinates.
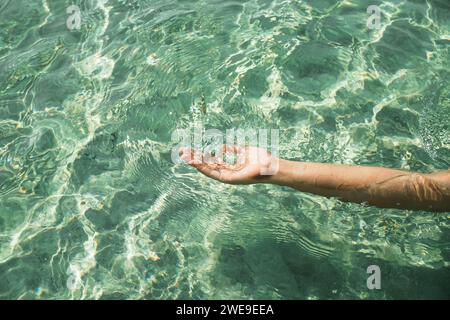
(280, 172)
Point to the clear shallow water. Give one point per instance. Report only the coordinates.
(91, 205)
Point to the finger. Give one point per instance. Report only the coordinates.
(185, 154)
(190, 156)
(216, 159)
(209, 166)
(236, 151)
(232, 148)
(208, 170)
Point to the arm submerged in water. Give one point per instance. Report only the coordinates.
(380, 187)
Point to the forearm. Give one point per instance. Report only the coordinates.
(380, 187)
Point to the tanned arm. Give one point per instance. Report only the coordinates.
(376, 186)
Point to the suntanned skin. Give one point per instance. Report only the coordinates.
(376, 186)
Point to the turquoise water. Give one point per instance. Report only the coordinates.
(92, 207)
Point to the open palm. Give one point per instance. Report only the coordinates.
(252, 164)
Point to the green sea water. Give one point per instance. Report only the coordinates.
(92, 207)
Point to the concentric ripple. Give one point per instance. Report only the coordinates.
(92, 207)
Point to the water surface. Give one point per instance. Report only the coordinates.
(91, 205)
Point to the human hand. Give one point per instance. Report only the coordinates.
(252, 164)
